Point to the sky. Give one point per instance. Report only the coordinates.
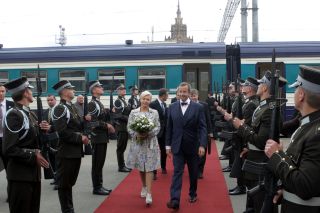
(35, 23)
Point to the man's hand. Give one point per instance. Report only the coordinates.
(169, 153)
(201, 151)
(88, 117)
(41, 161)
(271, 147)
(85, 139)
(244, 152)
(237, 123)
(44, 125)
(227, 116)
(110, 128)
(278, 196)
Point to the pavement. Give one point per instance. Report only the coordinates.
(86, 202)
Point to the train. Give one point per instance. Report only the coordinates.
(155, 66)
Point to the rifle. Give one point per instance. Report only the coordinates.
(270, 180)
(85, 125)
(219, 98)
(215, 91)
(238, 99)
(43, 137)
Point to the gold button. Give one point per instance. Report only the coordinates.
(283, 159)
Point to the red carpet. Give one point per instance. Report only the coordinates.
(212, 192)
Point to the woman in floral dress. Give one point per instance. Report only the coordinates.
(144, 153)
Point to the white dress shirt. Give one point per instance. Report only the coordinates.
(3, 109)
(184, 107)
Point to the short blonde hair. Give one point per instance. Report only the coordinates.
(145, 93)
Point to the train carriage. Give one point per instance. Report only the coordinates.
(153, 66)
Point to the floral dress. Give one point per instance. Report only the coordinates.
(144, 156)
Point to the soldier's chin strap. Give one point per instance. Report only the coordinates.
(25, 124)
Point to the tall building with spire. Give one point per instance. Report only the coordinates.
(179, 30)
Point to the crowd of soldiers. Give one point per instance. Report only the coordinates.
(243, 119)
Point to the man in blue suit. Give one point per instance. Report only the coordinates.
(186, 138)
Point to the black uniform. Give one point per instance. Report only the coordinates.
(53, 142)
(68, 125)
(9, 105)
(298, 167)
(99, 140)
(202, 160)
(162, 111)
(133, 102)
(121, 116)
(256, 136)
(23, 173)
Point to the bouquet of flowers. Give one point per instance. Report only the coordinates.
(142, 125)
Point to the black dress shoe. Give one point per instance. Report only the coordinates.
(55, 187)
(128, 168)
(173, 205)
(227, 169)
(107, 190)
(53, 182)
(100, 192)
(223, 157)
(200, 175)
(238, 191)
(230, 190)
(193, 199)
(124, 169)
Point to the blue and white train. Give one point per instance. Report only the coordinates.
(153, 66)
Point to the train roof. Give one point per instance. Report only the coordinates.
(155, 51)
(112, 52)
(282, 49)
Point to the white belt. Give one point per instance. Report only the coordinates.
(253, 147)
(314, 201)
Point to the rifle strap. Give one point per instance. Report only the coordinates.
(25, 124)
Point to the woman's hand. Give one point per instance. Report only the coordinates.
(142, 136)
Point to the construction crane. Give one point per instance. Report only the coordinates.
(228, 15)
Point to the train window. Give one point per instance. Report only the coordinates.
(76, 77)
(31, 76)
(105, 77)
(4, 77)
(152, 78)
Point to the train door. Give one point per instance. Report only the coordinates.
(198, 75)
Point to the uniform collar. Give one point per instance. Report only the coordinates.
(66, 102)
(264, 102)
(310, 118)
(121, 97)
(95, 98)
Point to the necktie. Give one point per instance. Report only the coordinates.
(1, 118)
(163, 109)
(184, 103)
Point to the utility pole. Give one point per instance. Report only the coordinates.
(62, 40)
(255, 24)
(244, 23)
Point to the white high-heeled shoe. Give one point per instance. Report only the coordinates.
(144, 192)
(148, 199)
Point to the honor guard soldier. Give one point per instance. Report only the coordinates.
(21, 148)
(122, 111)
(100, 136)
(133, 101)
(68, 125)
(257, 134)
(298, 166)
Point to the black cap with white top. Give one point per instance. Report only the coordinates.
(17, 85)
(308, 78)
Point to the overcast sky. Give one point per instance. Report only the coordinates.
(36, 22)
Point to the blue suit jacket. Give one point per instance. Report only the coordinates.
(186, 132)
